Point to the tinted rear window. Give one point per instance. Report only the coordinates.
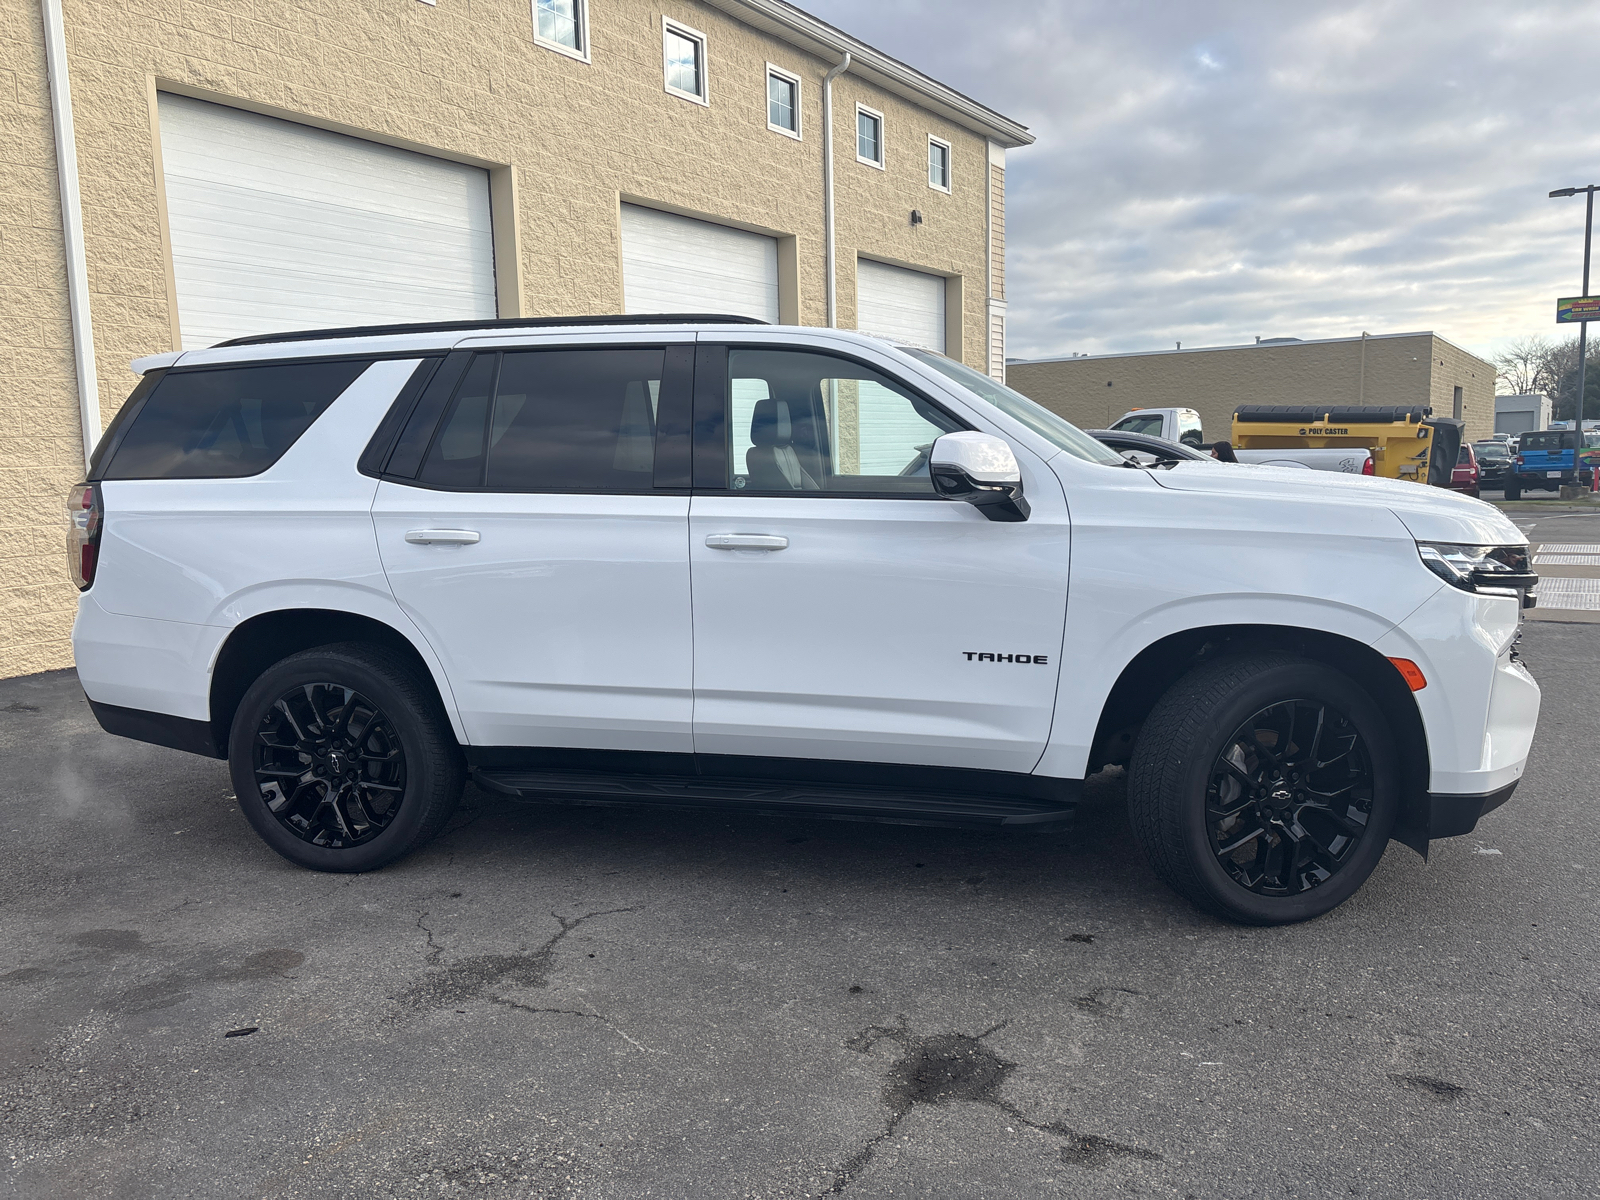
(1541, 441)
(552, 420)
(228, 422)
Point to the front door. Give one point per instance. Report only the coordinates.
(535, 551)
(843, 610)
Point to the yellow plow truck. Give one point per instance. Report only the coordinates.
(1406, 443)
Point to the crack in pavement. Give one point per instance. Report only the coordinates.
(434, 949)
(472, 977)
(949, 1067)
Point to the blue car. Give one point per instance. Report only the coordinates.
(1546, 459)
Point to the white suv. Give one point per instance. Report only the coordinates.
(702, 561)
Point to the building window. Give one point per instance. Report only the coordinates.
(685, 51)
(561, 25)
(783, 102)
(869, 136)
(938, 164)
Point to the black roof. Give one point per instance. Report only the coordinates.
(1122, 439)
(505, 323)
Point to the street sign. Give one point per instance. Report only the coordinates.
(1577, 308)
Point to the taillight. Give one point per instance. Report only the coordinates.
(1366, 467)
(1521, 462)
(84, 518)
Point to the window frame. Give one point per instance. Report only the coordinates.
(788, 77)
(949, 165)
(669, 27)
(883, 150)
(714, 405)
(581, 54)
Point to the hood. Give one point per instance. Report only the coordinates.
(1430, 514)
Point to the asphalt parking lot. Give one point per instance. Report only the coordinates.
(565, 1002)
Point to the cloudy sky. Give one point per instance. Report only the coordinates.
(1212, 170)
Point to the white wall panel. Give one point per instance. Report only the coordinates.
(678, 264)
(281, 226)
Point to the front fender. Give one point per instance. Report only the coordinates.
(1149, 562)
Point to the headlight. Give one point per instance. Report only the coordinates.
(1494, 570)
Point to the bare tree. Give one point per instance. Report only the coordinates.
(1520, 368)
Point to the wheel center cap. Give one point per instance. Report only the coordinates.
(336, 760)
(1281, 797)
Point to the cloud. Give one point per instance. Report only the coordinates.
(1207, 172)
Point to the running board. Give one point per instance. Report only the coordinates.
(886, 805)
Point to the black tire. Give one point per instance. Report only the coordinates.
(1177, 774)
(1513, 490)
(357, 717)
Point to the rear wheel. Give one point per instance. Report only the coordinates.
(1264, 787)
(342, 758)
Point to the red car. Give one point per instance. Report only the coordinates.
(1465, 476)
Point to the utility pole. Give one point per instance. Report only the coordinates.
(1583, 328)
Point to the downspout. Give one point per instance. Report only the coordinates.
(55, 54)
(827, 183)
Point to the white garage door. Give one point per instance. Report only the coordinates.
(905, 306)
(677, 264)
(281, 226)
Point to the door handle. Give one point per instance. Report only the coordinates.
(442, 537)
(746, 541)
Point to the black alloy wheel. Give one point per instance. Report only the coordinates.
(330, 766)
(343, 759)
(1264, 786)
(1289, 798)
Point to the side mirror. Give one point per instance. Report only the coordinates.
(980, 469)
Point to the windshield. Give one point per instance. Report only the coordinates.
(1058, 432)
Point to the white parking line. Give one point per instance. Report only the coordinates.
(1581, 594)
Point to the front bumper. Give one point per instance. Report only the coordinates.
(1479, 709)
(1451, 814)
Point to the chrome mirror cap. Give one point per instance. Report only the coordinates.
(983, 457)
(980, 469)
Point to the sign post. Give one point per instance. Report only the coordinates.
(1581, 309)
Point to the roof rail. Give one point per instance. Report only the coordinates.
(500, 323)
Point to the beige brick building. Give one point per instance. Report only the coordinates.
(1094, 390)
(565, 124)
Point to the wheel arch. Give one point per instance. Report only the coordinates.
(255, 644)
(1153, 670)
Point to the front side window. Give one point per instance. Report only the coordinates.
(227, 422)
(869, 136)
(559, 24)
(551, 421)
(805, 422)
(685, 62)
(938, 164)
(783, 102)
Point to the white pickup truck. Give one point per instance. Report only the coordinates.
(1182, 425)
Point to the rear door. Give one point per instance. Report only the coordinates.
(844, 611)
(532, 521)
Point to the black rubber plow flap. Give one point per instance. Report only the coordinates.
(1446, 449)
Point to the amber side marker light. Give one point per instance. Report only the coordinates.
(1411, 673)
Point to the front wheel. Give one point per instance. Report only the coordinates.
(1264, 787)
(342, 758)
